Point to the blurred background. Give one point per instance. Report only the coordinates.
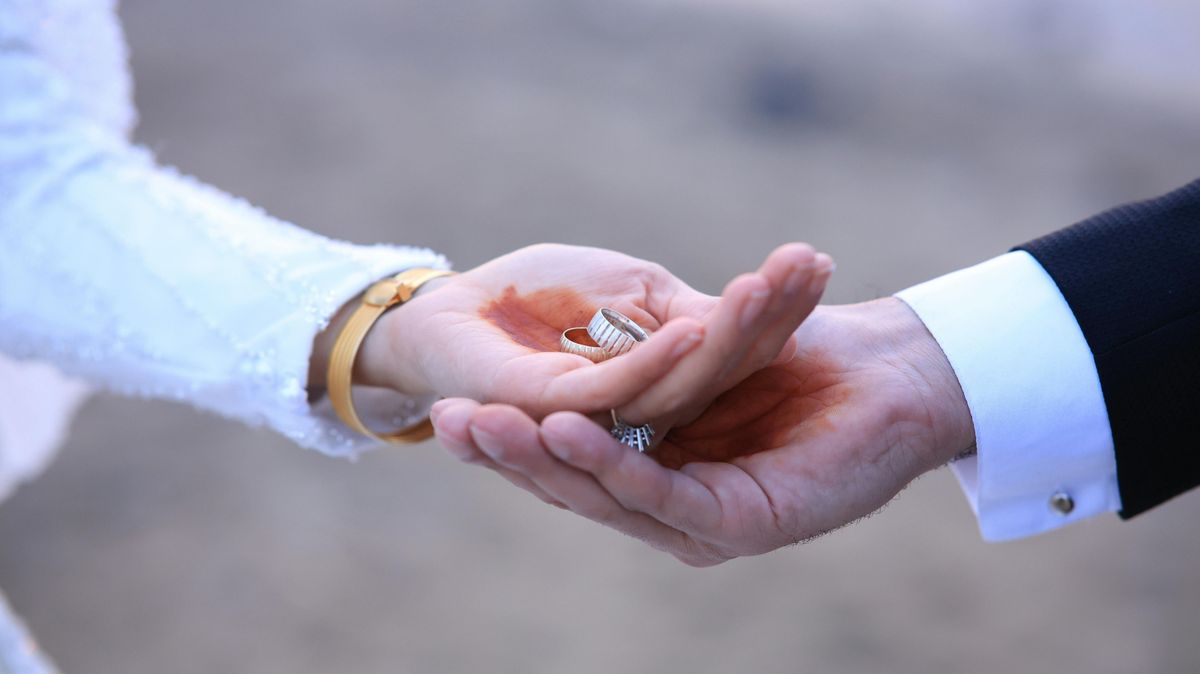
(907, 139)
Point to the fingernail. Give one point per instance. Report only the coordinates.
(795, 280)
(686, 344)
(488, 442)
(560, 452)
(555, 445)
(824, 263)
(436, 410)
(753, 308)
(824, 269)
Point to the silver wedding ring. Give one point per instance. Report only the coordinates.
(569, 343)
(637, 437)
(615, 332)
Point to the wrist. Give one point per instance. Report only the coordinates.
(391, 355)
(938, 403)
(387, 358)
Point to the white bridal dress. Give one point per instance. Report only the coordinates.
(118, 273)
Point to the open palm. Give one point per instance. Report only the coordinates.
(793, 450)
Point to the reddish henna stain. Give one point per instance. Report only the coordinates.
(536, 320)
(776, 406)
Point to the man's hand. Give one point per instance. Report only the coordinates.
(867, 404)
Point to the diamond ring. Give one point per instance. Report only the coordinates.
(637, 437)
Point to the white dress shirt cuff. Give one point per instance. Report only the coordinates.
(1044, 448)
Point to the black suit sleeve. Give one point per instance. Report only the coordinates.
(1132, 278)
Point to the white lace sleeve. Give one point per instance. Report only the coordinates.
(139, 279)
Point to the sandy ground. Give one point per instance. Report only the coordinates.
(906, 143)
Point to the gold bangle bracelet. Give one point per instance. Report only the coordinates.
(380, 297)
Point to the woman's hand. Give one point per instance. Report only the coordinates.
(491, 333)
(798, 448)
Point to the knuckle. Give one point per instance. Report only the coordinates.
(501, 455)
(604, 513)
(660, 502)
(684, 518)
(544, 497)
(676, 400)
(762, 355)
(698, 555)
(470, 457)
(654, 272)
(614, 467)
(667, 403)
(542, 248)
(695, 561)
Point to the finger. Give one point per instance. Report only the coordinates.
(786, 353)
(451, 420)
(695, 374)
(798, 276)
(615, 381)
(682, 300)
(513, 440)
(800, 290)
(751, 327)
(635, 480)
(787, 269)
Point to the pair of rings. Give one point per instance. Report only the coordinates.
(610, 334)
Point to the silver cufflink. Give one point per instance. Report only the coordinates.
(1062, 503)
